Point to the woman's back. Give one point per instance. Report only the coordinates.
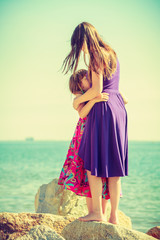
(104, 144)
(113, 83)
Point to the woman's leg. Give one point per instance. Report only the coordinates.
(95, 184)
(104, 205)
(114, 184)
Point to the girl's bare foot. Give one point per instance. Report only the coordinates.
(105, 217)
(93, 216)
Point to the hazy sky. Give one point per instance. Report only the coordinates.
(34, 40)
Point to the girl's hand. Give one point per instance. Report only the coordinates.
(125, 100)
(102, 97)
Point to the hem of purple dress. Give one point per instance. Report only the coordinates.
(97, 175)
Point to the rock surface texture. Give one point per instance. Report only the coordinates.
(41, 232)
(77, 230)
(13, 225)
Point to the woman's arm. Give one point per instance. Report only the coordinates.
(95, 90)
(83, 109)
(125, 100)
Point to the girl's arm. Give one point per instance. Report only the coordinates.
(125, 100)
(83, 109)
(94, 91)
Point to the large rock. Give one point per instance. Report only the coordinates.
(53, 198)
(13, 225)
(78, 230)
(41, 232)
(154, 232)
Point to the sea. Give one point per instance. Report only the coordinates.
(26, 165)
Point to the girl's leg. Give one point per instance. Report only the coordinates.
(89, 204)
(95, 184)
(114, 184)
(104, 207)
(104, 203)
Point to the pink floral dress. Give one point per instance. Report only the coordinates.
(73, 176)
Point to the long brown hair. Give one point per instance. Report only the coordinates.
(86, 33)
(75, 81)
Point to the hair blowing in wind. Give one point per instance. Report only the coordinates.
(98, 58)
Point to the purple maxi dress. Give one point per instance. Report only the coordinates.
(104, 144)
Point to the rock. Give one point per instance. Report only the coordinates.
(78, 230)
(41, 232)
(53, 198)
(13, 225)
(154, 232)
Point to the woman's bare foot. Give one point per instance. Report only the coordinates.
(114, 219)
(93, 216)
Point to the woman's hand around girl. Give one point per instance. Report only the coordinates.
(84, 109)
(102, 97)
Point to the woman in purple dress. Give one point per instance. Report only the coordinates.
(104, 144)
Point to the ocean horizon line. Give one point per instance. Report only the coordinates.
(62, 140)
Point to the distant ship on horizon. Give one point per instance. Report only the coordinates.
(29, 139)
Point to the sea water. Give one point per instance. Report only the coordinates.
(25, 166)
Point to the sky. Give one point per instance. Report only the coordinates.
(34, 40)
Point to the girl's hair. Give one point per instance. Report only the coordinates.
(85, 33)
(75, 81)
